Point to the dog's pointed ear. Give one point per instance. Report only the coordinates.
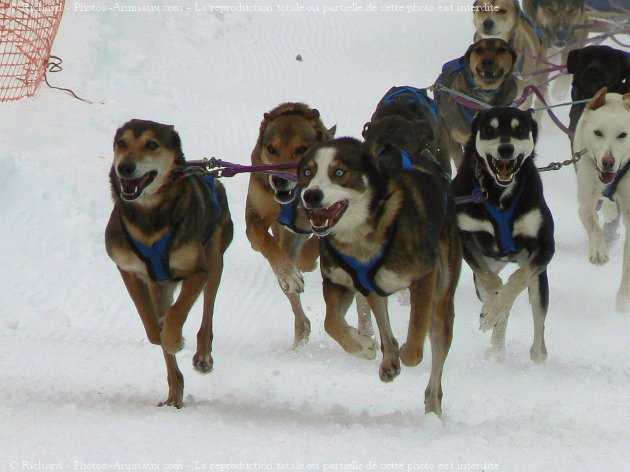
(313, 114)
(599, 100)
(572, 60)
(533, 124)
(332, 131)
(366, 129)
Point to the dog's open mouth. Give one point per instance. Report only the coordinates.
(131, 189)
(324, 219)
(489, 76)
(285, 196)
(504, 170)
(607, 177)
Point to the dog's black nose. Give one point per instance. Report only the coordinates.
(506, 151)
(608, 162)
(562, 35)
(126, 169)
(488, 24)
(487, 62)
(313, 197)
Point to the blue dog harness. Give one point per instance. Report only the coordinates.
(363, 273)
(503, 219)
(156, 256)
(611, 188)
(417, 94)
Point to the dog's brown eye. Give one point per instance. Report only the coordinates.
(622, 135)
(502, 11)
(121, 144)
(598, 133)
(301, 150)
(152, 145)
(272, 150)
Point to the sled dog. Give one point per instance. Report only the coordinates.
(382, 230)
(168, 228)
(511, 224)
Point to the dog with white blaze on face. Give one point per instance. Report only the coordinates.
(604, 133)
(509, 222)
(381, 230)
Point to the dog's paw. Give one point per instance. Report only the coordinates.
(175, 402)
(599, 253)
(409, 356)
(367, 347)
(289, 277)
(203, 363)
(172, 341)
(492, 313)
(389, 370)
(538, 354)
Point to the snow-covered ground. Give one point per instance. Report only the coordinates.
(79, 380)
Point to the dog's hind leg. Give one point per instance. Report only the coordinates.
(175, 382)
(364, 315)
(338, 300)
(539, 300)
(441, 335)
(302, 326)
(390, 365)
(422, 294)
(202, 360)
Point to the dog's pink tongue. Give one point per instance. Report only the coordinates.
(607, 177)
(505, 170)
(322, 217)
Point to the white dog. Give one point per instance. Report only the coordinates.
(604, 133)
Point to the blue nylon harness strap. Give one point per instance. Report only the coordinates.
(156, 256)
(611, 188)
(363, 273)
(288, 213)
(419, 95)
(504, 220)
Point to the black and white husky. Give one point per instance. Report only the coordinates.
(503, 218)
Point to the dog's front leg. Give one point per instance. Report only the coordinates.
(286, 271)
(623, 294)
(139, 293)
(487, 282)
(390, 366)
(175, 382)
(497, 309)
(171, 335)
(338, 299)
(598, 253)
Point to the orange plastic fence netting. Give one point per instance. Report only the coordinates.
(27, 31)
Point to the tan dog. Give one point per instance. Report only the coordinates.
(484, 73)
(167, 227)
(286, 133)
(504, 19)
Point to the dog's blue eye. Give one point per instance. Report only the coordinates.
(598, 133)
(307, 172)
(622, 135)
(340, 172)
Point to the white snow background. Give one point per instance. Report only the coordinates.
(79, 381)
